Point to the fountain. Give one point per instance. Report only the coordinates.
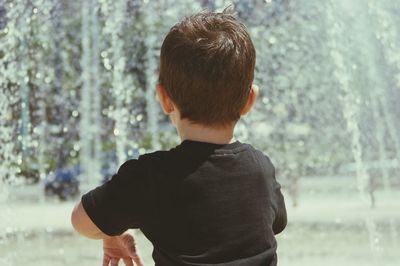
(77, 99)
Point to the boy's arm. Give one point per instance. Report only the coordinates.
(280, 221)
(112, 208)
(114, 247)
(280, 213)
(84, 225)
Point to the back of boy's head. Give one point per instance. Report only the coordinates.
(207, 67)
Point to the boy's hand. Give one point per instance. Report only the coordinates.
(120, 247)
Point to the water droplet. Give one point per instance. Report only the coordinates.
(104, 54)
(272, 40)
(77, 147)
(35, 143)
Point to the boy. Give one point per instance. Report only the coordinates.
(211, 200)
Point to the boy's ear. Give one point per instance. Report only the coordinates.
(165, 100)
(251, 99)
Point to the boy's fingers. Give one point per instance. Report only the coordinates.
(137, 260)
(129, 242)
(128, 261)
(130, 246)
(132, 251)
(114, 262)
(106, 260)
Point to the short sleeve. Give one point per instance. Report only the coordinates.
(122, 202)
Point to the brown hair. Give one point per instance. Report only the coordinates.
(207, 67)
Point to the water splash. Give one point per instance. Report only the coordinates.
(90, 120)
(363, 39)
(9, 98)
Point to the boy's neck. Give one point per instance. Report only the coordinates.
(197, 132)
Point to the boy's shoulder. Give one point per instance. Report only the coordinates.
(151, 160)
(190, 151)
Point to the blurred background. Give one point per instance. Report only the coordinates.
(77, 99)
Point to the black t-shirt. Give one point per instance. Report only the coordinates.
(199, 204)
